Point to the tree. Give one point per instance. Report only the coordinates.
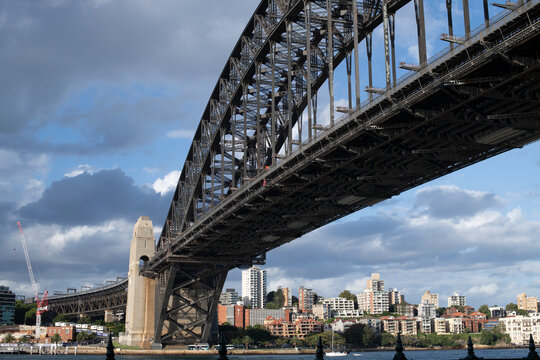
(485, 310)
(56, 339)
(387, 339)
(326, 338)
(259, 334)
(60, 318)
(84, 320)
(82, 337)
(30, 316)
(20, 311)
(522, 312)
(8, 338)
(23, 339)
(247, 340)
(354, 334)
(511, 307)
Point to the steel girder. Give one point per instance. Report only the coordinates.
(112, 297)
(249, 185)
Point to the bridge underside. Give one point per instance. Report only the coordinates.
(96, 302)
(474, 103)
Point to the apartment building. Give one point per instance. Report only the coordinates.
(228, 297)
(457, 300)
(254, 287)
(338, 303)
(305, 299)
(527, 303)
(520, 328)
(300, 328)
(430, 298)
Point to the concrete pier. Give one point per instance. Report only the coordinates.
(141, 299)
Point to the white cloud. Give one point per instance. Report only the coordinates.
(486, 289)
(81, 169)
(167, 183)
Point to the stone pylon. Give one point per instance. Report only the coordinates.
(141, 299)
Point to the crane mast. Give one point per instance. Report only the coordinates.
(41, 304)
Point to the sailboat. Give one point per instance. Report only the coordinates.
(334, 352)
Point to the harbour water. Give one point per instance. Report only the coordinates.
(373, 355)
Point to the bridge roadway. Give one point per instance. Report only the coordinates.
(251, 183)
(98, 300)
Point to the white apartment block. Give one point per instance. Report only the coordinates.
(373, 301)
(439, 326)
(254, 287)
(427, 310)
(338, 303)
(520, 328)
(456, 300)
(351, 313)
(455, 325)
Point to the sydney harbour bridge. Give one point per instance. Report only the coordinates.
(265, 167)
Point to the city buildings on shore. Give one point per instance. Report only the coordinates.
(381, 310)
(228, 297)
(7, 306)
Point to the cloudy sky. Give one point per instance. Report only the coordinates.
(99, 101)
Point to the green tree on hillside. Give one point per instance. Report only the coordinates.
(511, 307)
(485, 310)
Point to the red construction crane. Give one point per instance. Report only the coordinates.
(41, 304)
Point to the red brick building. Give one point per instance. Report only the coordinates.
(67, 333)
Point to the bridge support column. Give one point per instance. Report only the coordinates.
(140, 307)
(109, 316)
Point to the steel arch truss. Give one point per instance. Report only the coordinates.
(254, 179)
(253, 118)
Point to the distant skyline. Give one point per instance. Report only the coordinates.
(100, 100)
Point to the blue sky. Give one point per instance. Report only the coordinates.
(100, 100)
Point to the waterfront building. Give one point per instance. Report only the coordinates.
(236, 315)
(455, 325)
(430, 298)
(403, 324)
(426, 312)
(527, 303)
(7, 306)
(229, 297)
(439, 325)
(300, 328)
(67, 333)
(390, 324)
(520, 328)
(457, 300)
(257, 316)
(305, 299)
(254, 287)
